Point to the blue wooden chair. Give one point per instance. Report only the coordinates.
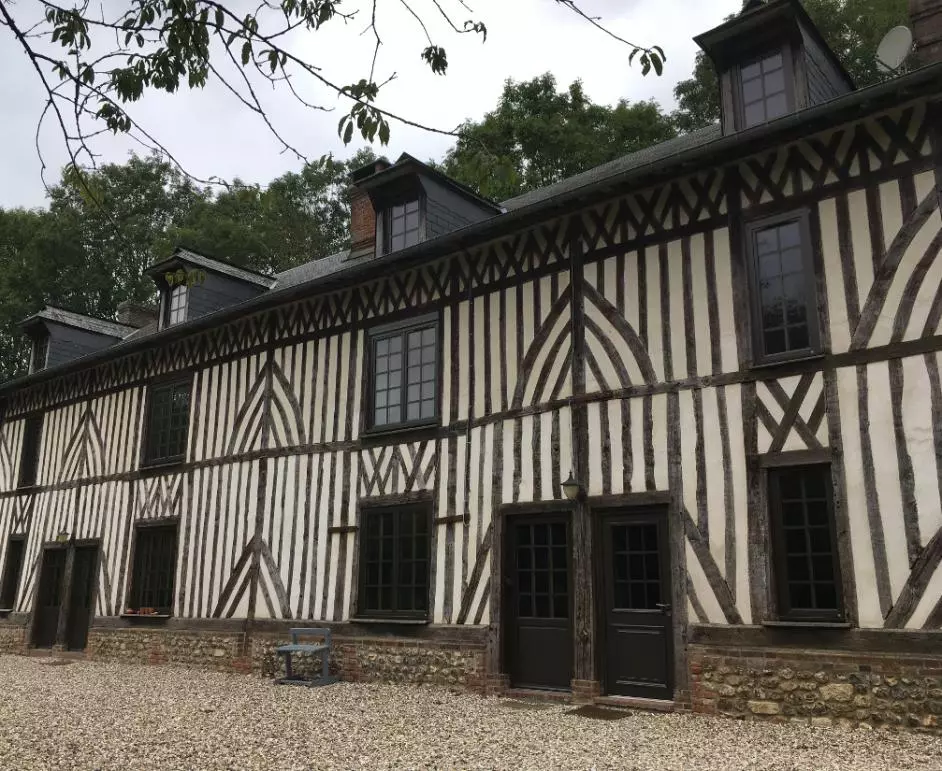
(323, 648)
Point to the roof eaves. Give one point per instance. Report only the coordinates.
(717, 152)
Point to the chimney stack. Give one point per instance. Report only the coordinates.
(362, 216)
(133, 315)
(926, 19)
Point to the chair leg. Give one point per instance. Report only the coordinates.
(325, 663)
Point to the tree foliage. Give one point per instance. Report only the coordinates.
(538, 135)
(852, 28)
(88, 251)
(94, 61)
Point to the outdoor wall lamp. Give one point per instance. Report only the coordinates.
(62, 537)
(571, 487)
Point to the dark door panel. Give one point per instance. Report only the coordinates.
(49, 597)
(638, 624)
(538, 598)
(82, 597)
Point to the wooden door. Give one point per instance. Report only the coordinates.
(538, 599)
(81, 597)
(49, 597)
(637, 595)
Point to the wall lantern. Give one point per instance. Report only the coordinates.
(63, 537)
(571, 487)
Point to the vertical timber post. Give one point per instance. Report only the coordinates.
(585, 684)
(245, 648)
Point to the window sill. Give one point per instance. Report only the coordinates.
(397, 621)
(807, 624)
(380, 434)
(27, 488)
(147, 616)
(157, 468)
(776, 363)
(5, 612)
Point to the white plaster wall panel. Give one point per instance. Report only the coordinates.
(10, 443)
(215, 540)
(928, 604)
(702, 589)
(886, 474)
(869, 611)
(920, 440)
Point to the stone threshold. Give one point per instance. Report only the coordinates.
(538, 694)
(634, 702)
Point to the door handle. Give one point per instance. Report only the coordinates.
(664, 607)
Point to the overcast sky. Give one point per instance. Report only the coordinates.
(212, 134)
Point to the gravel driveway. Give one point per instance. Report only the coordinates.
(94, 715)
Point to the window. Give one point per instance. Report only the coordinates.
(155, 563)
(783, 284)
(168, 420)
(402, 226)
(807, 568)
(176, 305)
(40, 353)
(764, 91)
(29, 457)
(394, 562)
(12, 569)
(404, 376)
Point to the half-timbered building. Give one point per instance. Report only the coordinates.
(670, 429)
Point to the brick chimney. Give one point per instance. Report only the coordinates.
(135, 315)
(362, 216)
(926, 19)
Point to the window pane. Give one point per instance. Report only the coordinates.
(775, 106)
(772, 62)
(775, 82)
(783, 305)
(754, 114)
(807, 552)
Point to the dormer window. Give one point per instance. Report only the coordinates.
(771, 61)
(402, 226)
(764, 90)
(40, 353)
(176, 305)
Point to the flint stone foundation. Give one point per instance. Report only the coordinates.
(356, 655)
(818, 687)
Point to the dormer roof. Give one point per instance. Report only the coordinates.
(760, 22)
(408, 166)
(195, 259)
(76, 321)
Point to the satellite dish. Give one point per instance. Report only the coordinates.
(894, 48)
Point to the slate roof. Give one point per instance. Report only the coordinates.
(219, 266)
(698, 147)
(636, 160)
(80, 321)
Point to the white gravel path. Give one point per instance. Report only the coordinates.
(106, 716)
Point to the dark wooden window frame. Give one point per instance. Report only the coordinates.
(38, 362)
(809, 260)
(168, 304)
(132, 598)
(10, 582)
(788, 67)
(147, 461)
(32, 440)
(386, 331)
(422, 507)
(384, 221)
(780, 598)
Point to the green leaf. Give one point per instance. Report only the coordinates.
(384, 132)
(246, 52)
(348, 134)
